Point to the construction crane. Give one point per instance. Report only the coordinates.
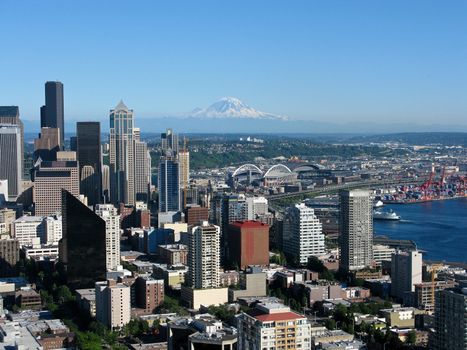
(434, 269)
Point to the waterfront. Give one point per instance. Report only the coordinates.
(437, 227)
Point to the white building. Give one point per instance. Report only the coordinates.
(406, 271)
(26, 228)
(273, 326)
(38, 251)
(112, 232)
(53, 229)
(113, 304)
(382, 253)
(303, 233)
(257, 206)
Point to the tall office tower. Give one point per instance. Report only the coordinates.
(184, 159)
(83, 243)
(106, 183)
(169, 185)
(256, 207)
(11, 159)
(356, 229)
(109, 214)
(142, 171)
(204, 256)
(248, 244)
(74, 143)
(450, 319)
(122, 166)
(52, 114)
(169, 143)
(50, 179)
(9, 256)
(88, 144)
(113, 303)
(10, 115)
(273, 326)
(47, 144)
(302, 234)
(406, 271)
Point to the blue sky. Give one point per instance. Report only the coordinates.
(339, 61)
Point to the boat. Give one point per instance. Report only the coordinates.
(385, 215)
(378, 204)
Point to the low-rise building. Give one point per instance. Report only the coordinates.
(402, 317)
(173, 276)
(86, 299)
(252, 283)
(172, 254)
(149, 293)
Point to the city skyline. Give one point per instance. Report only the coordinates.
(294, 60)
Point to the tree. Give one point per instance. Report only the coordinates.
(411, 338)
(330, 324)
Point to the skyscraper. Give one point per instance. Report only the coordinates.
(52, 114)
(356, 229)
(303, 233)
(169, 185)
(11, 160)
(204, 256)
(83, 243)
(47, 144)
(184, 159)
(169, 143)
(406, 271)
(121, 155)
(142, 168)
(88, 136)
(109, 214)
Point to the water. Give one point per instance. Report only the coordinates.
(438, 227)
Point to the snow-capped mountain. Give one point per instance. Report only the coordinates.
(231, 107)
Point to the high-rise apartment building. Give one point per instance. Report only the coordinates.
(11, 158)
(149, 293)
(142, 169)
(122, 165)
(273, 326)
(113, 304)
(406, 272)
(47, 144)
(169, 184)
(356, 229)
(106, 183)
(302, 233)
(256, 207)
(450, 320)
(109, 214)
(49, 180)
(83, 245)
(52, 114)
(204, 256)
(184, 160)
(88, 144)
(247, 244)
(169, 143)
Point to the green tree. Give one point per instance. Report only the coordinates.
(411, 338)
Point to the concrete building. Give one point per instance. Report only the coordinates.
(423, 294)
(174, 276)
(86, 299)
(41, 252)
(382, 253)
(7, 216)
(302, 234)
(53, 229)
(109, 214)
(47, 144)
(26, 228)
(113, 304)
(252, 283)
(273, 326)
(247, 243)
(50, 179)
(406, 272)
(149, 294)
(173, 254)
(194, 214)
(142, 169)
(184, 161)
(450, 320)
(401, 317)
(356, 229)
(256, 207)
(11, 158)
(9, 256)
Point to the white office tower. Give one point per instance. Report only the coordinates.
(26, 228)
(53, 229)
(303, 233)
(204, 256)
(184, 164)
(257, 206)
(122, 165)
(142, 168)
(356, 229)
(113, 304)
(11, 158)
(406, 271)
(106, 182)
(109, 214)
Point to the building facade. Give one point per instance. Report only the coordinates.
(406, 272)
(88, 144)
(109, 214)
(113, 304)
(169, 185)
(52, 114)
(11, 158)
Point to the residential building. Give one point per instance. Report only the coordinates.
(302, 234)
(53, 229)
(52, 114)
(184, 161)
(173, 254)
(247, 244)
(423, 294)
(113, 304)
(149, 293)
(83, 245)
(406, 272)
(142, 170)
(194, 214)
(356, 229)
(109, 214)
(9, 256)
(273, 326)
(382, 253)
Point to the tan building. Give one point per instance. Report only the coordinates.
(172, 254)
(273, 326)
(184, 164)
(113, 304)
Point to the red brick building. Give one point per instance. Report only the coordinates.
(195, 214)
(248, 243)
(149, 294)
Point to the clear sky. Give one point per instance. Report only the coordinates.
(319, 60)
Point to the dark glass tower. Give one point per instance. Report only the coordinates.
(169, 185)
(83, 244)
(88, 135)
(52, 114)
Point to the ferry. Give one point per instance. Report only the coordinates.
(385, 215)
